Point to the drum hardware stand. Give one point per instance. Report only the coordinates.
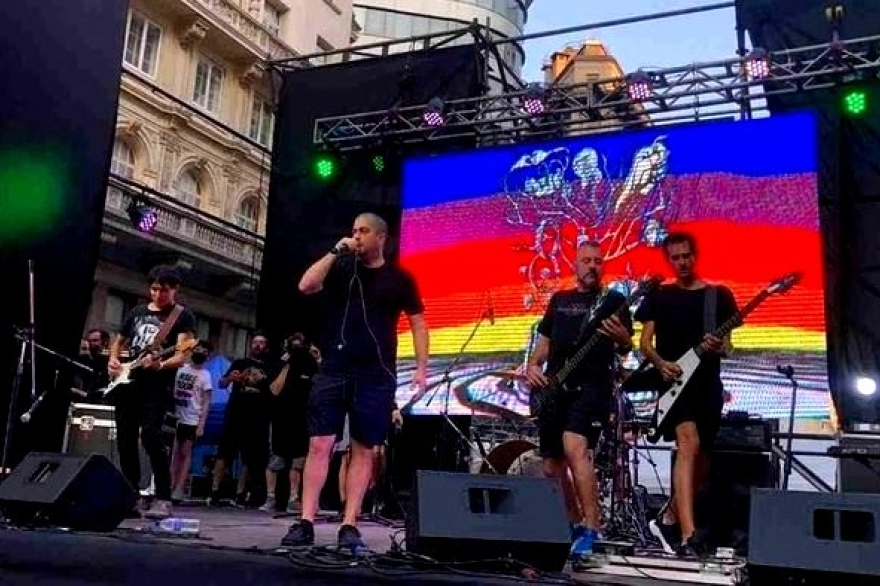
(788, 372)
(446, 381)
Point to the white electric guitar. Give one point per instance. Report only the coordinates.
(126, 374)
(650, 378)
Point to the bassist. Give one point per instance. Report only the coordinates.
(675, 320)
(570, 429)
(142, 406)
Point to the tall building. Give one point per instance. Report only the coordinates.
(384, 20)
(194, 129)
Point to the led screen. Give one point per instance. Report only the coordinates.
(490, 234)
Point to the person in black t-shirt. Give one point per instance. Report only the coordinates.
(246, 423)
(290, 437)
(673, 319)
(141, 407)
(366, 296)
(95, 354)
(570, 429)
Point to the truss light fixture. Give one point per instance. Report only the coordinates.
(757, 64)
(434, 112)
(142, 216)
(534, 100)
(639, 86)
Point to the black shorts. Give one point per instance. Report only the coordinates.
(186, 432)
(582, 416)
(248, 437)
(705, 414)
(367, 400)
(290, 439)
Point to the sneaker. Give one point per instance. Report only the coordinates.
(350, 538)
(269, 505)
(177, 497)
(692, 549)
(294, 506)
(667, 535)
(583, 539)
(300, 534)
(160, 510)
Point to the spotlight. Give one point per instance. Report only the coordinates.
(378, 163)
(533, 100)
(855, 102)
(142, 216)
(433, 115)
(757, 64)
(866, 386)
(639, 86)
(325, 167)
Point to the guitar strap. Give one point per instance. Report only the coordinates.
(710, 309)
(166, 326)
(590, 316)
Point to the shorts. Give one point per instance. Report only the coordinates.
(366, 400)
(279, 463)
(581, 416)
(247, 437)
(706, 415)
(186, 432)
(290, 439)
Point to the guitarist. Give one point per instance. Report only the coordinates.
(674, 322)
(569, 429)
(142, 405)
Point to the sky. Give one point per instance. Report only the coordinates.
(670, 42)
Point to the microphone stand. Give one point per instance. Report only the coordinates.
(26, 338)
(788, 372)
(446, 381)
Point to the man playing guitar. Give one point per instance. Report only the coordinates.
(674, 319)
(142, 406)
(570, 429)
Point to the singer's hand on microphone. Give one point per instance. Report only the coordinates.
(346, 244)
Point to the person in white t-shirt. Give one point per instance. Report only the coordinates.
(192, 399)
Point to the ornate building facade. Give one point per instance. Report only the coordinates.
(193, 144)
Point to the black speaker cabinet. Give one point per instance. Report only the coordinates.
(86, 493)
(468, 517)
(859, 473)
(814, 538)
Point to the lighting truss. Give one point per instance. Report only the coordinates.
(604, 104)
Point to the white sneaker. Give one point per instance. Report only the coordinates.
(269, 505)
(160, 510)
(294, 506)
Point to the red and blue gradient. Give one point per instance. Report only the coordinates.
(746, 190)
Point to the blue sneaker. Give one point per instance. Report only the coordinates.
(583, 539)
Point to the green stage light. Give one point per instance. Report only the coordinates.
(855, 102)
(325, 167)
(378, 163)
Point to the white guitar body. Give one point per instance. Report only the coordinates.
(123, 378)
(688, 365)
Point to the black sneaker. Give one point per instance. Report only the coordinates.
(691, 549)
(300, 534)
(350, 538)
(667, 535)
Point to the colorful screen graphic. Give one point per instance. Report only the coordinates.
(491, 234)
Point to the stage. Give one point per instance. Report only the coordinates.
(241, 547)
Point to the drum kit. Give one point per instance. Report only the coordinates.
(621, 450)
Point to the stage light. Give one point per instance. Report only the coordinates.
(142, 216)
(325, 167)
(866, 386)
(434, 112)
(639, 86)
(855, 102)
(757, 64)
(378, 163)
(534, 100)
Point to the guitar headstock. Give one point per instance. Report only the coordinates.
(649, 284)
(784, 284)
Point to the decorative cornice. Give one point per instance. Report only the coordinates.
(193, 33)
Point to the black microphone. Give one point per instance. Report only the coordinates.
(28, 415)
(490, 310)
(786, 371)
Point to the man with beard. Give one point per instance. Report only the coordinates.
(246, 423)
(94, 353)
(674, 319)
(570, 428)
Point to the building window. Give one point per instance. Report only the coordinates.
(122, 163)
(114, 312)
(248, 213)
(271, 19)
(209, 82)
(189, 188)
(203, 328)
(323, 45)
(239, 342)
(142, 39)
(262, 121)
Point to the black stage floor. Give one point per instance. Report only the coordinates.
(240, 547)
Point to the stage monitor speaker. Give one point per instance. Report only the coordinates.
(86, 493)
(859, 473)
(813, 538)
(470, 517)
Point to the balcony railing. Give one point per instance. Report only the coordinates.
(252, 29)
(199, 232)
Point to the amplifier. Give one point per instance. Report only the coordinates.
(746, 434)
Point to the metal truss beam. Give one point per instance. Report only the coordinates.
(604, 104)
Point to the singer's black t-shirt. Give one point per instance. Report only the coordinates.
(364, 308)
(562, 324)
